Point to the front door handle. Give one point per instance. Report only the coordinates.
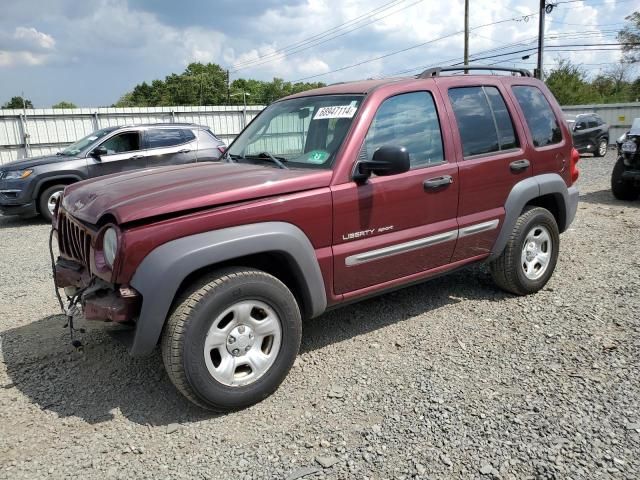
(438, 182)
(136, 157)
(519, 165)
(185, 150)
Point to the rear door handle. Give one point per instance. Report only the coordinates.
(438, 182)
(136, 157)
(185, 150)
(519, 165)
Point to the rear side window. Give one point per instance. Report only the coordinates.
(187, 135)
(542, 123)
(483, 120)
(164, 137)
(409, 120)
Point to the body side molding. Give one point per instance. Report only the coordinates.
(174, 261)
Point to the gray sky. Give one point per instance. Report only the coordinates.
(91, 52)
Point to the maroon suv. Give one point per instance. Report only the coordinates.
(328, 196)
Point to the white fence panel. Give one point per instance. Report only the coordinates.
(44, 131)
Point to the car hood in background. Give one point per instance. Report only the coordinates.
(34, 162)
(152, 192)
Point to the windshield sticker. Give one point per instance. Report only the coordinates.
(340, 111)
(317, 156)
(92, 138)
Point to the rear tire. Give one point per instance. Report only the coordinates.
(622, 189)
(530, 256)
(231, 339)
(601, 148)
(47, 199)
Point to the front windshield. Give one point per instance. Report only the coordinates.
(77, 147)
(301, 132)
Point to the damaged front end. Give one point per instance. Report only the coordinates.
(84, 273)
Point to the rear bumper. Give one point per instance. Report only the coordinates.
(101, 301)
(572, 205)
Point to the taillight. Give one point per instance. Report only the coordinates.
(222, 148)
(575, 172)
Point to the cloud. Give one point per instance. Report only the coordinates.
(25, 46)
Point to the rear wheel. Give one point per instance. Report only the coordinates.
(601, 148)
(48, 199)
(531, 253)
(622, 189)
(232, 338)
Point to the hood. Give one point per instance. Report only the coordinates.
(160, 191)
(34, 162)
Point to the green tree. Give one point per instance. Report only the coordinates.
(568, 83)
(630, 35)
(64, 104)
(18, 103)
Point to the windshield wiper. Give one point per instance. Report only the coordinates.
(267, 156)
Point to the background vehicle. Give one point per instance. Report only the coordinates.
(327, 197)
(590, 133)
(32, 186)
(621, 139)
(625, 178)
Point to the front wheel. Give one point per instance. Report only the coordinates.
(531, 253)
(622, 189)
(232, 338)
(48, 199)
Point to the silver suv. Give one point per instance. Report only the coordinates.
(31, 186)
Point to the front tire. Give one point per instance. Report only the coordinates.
(622, 189)
(232, 338)
(601, 149)
(530, 256)
(47, 201)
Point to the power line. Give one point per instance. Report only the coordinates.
(313, 43)
(404, 49)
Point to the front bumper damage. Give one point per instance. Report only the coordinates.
(99, 300)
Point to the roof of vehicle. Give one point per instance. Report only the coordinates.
(164, 124)
(366, 86)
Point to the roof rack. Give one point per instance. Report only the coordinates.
(435, 72)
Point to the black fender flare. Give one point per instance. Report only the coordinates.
(529, 189)
(160, 274)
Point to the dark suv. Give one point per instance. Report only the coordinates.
(327, 197)
(590, 133)
(32, 186)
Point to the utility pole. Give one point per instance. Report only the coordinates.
(466, 33)
(543, 7)
(228, 92)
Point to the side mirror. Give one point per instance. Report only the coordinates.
(579, 126)
(98, 152)
(386, 160)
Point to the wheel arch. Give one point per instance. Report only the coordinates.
(547, 191)
(47, 182)
(278, 248)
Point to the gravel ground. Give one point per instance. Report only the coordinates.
(448, 379)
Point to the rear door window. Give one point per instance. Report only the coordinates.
(542, 122)
(164, 137)
(483, 120)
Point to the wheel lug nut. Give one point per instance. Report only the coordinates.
(241, 329)
(247, 348)
(235, 351)
(251, 336)
(232, 339)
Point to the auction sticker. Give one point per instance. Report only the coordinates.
(340, 111)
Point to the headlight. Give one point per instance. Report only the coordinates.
(629, 146)
(110, 245)
(16, 174)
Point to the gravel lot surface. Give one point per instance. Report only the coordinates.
(448, 379)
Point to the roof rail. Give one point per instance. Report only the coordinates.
(435, 72)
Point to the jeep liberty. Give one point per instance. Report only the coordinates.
(328, 196)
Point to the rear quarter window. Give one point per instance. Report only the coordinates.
(541, 121)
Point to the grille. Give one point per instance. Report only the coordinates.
(74, 240)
